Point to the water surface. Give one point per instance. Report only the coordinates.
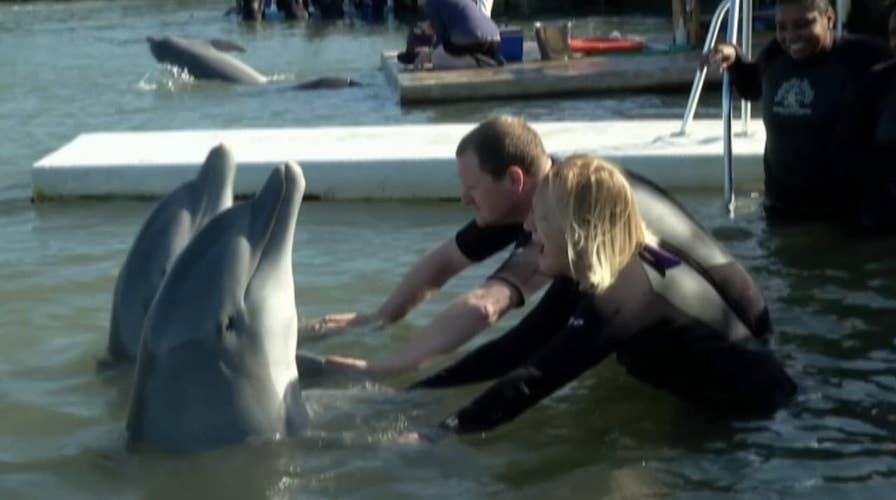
(74, 67)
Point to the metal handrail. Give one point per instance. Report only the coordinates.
(747, 49)
(700, 76)
(726, 112)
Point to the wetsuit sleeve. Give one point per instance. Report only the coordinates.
(746, 77)
(479, 243)
(496, 358)
(581, 345)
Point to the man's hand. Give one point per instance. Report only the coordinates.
(723, 55)
(335, 323)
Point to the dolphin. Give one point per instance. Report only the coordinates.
(217, 361)
(208, 60)
(166, 232)
(203, 60)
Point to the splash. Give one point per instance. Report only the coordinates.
(167, 77)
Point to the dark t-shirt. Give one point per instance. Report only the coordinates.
(666, 324)
(479, 243)
(461, 23)
(803, 104)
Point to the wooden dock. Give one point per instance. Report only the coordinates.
(645, 71)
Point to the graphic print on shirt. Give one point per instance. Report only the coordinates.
(794, 98)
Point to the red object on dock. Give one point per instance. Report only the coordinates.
(598, 45)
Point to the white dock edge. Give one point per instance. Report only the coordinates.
(378, 162)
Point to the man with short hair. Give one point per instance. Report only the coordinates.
(499, 164)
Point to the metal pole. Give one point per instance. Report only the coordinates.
(700, 76)
(747, 49)
(842, 8)
(726, 112)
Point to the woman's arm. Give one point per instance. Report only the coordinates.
(507, 352)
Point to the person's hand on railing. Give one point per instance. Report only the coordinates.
(723, 54)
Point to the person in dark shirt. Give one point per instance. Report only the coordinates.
(465, 36)
(615, 291)
(499, 164)
(804, 79)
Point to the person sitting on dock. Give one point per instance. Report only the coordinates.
(465, 37)
(614, 291)
(500, 164)
(804, 78)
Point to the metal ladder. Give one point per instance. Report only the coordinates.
(732, 8)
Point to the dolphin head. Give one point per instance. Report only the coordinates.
(163, 49)
(217, 360)
(166, 232)
(214, 182)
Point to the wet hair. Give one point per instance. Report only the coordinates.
(503, 141)
(595, 206)
(811, 5)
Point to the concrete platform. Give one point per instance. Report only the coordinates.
(377, 162)
(647, 71)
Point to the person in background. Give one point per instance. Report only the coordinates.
(465, 36)
(804, 79)
(614, 291)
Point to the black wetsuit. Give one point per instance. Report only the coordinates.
(667, 326)
(677, 232)
(873, 145)
(802, 105)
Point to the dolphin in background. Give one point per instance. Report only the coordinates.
(167, 230)
(217, 362)
(208, 60)
(203, 60)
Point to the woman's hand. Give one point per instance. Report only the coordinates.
(723, 55)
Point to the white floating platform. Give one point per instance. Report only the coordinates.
(378, 162)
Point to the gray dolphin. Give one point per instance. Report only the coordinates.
(217, 362)
(166, 232)
(208, 60)
(203, 60)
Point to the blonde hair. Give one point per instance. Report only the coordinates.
(593, 203)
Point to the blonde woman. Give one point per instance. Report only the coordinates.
(614, 292)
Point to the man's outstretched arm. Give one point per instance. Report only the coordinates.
(428, 275)
(465, 317)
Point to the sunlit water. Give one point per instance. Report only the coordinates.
(73, 67)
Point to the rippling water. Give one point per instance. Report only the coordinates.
(72, 67)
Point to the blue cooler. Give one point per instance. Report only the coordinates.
(512, 43)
